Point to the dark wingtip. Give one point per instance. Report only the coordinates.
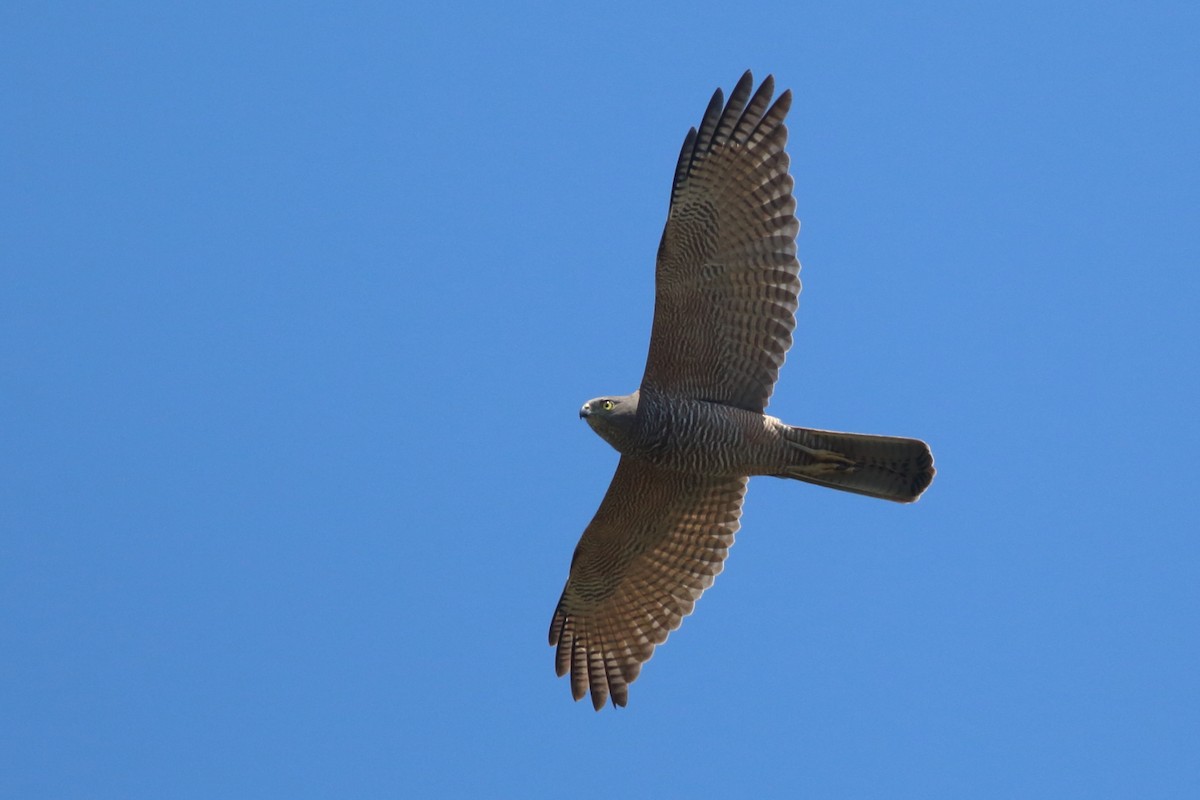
(744, 84)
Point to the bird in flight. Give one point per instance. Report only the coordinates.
(726, 288)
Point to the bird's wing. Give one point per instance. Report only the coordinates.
(656, 543)
(727, 280)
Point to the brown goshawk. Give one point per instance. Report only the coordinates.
(726, 289)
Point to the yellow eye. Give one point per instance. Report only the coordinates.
(608, 405)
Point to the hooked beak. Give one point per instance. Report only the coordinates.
(586, 411)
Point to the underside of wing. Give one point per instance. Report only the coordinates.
(727, 278)
(656, 543)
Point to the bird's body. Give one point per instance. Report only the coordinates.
(694, 432)
(696, 436)
(699, 437)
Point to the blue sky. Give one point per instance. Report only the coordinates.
(298, 303)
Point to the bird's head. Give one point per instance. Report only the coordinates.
(611, 417)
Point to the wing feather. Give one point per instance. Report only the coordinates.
(732, 115)
(728, 280)
(658, 540)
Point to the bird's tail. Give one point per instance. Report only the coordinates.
(888, 467)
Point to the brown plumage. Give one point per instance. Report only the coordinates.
(727, 284)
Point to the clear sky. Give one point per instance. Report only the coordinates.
(298, 303)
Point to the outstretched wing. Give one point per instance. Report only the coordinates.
(728, 281)
(656, 543)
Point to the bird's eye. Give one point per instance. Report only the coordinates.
(608, 405)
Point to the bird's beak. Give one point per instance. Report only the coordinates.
(586, 411)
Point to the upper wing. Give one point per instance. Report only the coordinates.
(727, 277)
(656, 543)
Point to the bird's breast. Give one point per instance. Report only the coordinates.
(707, 438)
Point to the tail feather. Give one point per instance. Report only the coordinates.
(888, 467)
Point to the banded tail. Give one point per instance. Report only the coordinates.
(888, 467)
